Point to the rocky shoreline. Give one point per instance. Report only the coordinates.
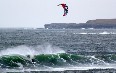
(91, 24)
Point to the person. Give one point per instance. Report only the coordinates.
(65, 7)
(32, 60)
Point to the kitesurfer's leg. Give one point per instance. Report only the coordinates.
(64, 12)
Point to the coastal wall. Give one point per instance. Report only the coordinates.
(97, 24)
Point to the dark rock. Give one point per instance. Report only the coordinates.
(97, 24)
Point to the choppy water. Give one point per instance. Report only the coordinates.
(42, 49)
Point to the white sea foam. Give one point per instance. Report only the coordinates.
(82, 33)
(104, 32)
(59, 69)
(29, 50)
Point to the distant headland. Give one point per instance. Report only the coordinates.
(91, 24)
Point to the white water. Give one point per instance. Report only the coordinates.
(60, 69)
(29, 50)
(104, 32)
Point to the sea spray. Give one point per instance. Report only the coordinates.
(30, 50)
(48, 49)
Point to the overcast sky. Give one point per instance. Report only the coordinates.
(36, 13)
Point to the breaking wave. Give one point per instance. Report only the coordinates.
(54, 60)
(48, 56)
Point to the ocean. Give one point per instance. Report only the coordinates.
(36, 50)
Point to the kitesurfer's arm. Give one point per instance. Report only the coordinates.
(59, 5)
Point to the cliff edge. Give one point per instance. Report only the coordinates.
(96, 24)
(102, 21)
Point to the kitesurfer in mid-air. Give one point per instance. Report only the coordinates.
(65, 7)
